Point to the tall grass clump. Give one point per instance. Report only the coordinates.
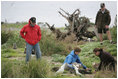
(14, 38)
(6, 69)
(33, 69)
(5, 36)
(49, 45)
(37, 69)
(113, 31)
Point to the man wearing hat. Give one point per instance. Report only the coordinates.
(32, 35)
(102, 22)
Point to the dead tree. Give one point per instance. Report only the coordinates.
(59, 34)
(76, 25)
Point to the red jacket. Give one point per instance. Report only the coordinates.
(32, 35)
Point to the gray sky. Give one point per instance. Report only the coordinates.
(47, 11)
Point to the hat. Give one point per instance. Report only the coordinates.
(33, 19)
(102, 5)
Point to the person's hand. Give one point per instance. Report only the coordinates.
(106, 26)
(87, 69)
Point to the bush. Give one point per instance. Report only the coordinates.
(33, 69)
(5, 35)
(6, 70)
(15, 38)
(37, 69)
(113, 31)
(49, 45)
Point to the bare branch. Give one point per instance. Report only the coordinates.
(65, 12)
(63, 15)
(48, 25)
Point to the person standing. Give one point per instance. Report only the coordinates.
(102, 22)
(32, 35)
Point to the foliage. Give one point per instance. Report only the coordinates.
(113, 31)
(49, 45)
(58, 58)
(33, 69)
(87, 56)
(13, 25)
(5, 35)
(15, 38)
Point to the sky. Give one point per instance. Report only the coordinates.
(47, 11)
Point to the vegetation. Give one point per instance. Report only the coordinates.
(18, 69)
(113, 31)
(13, 63)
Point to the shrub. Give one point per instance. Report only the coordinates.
(33, 69)
(5, 35)
(113, 31)
(16, 38)
(6, 70)
(37, 69)
(49, 45)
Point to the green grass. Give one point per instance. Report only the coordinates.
(87, 56)
(49, 45)
(7, 53)
(19, 69)
(58, 58)
(58, 50)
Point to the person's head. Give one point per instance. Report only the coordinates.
(77, 50)
(102, 6)
(97, 51)
(32, 21)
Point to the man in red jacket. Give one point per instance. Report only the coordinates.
(32, 35)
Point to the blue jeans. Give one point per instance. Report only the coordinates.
(29, 49)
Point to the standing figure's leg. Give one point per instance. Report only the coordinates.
(100, 35)
(28, 51)
(109, 36)
(37, 50)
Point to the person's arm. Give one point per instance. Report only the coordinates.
(100, 65)
(108, 19)
(22, 31)
(78, 61)
(39, 34)
(69, 61)
(96, 19)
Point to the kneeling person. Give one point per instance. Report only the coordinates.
(72, 61)
(106, 59)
